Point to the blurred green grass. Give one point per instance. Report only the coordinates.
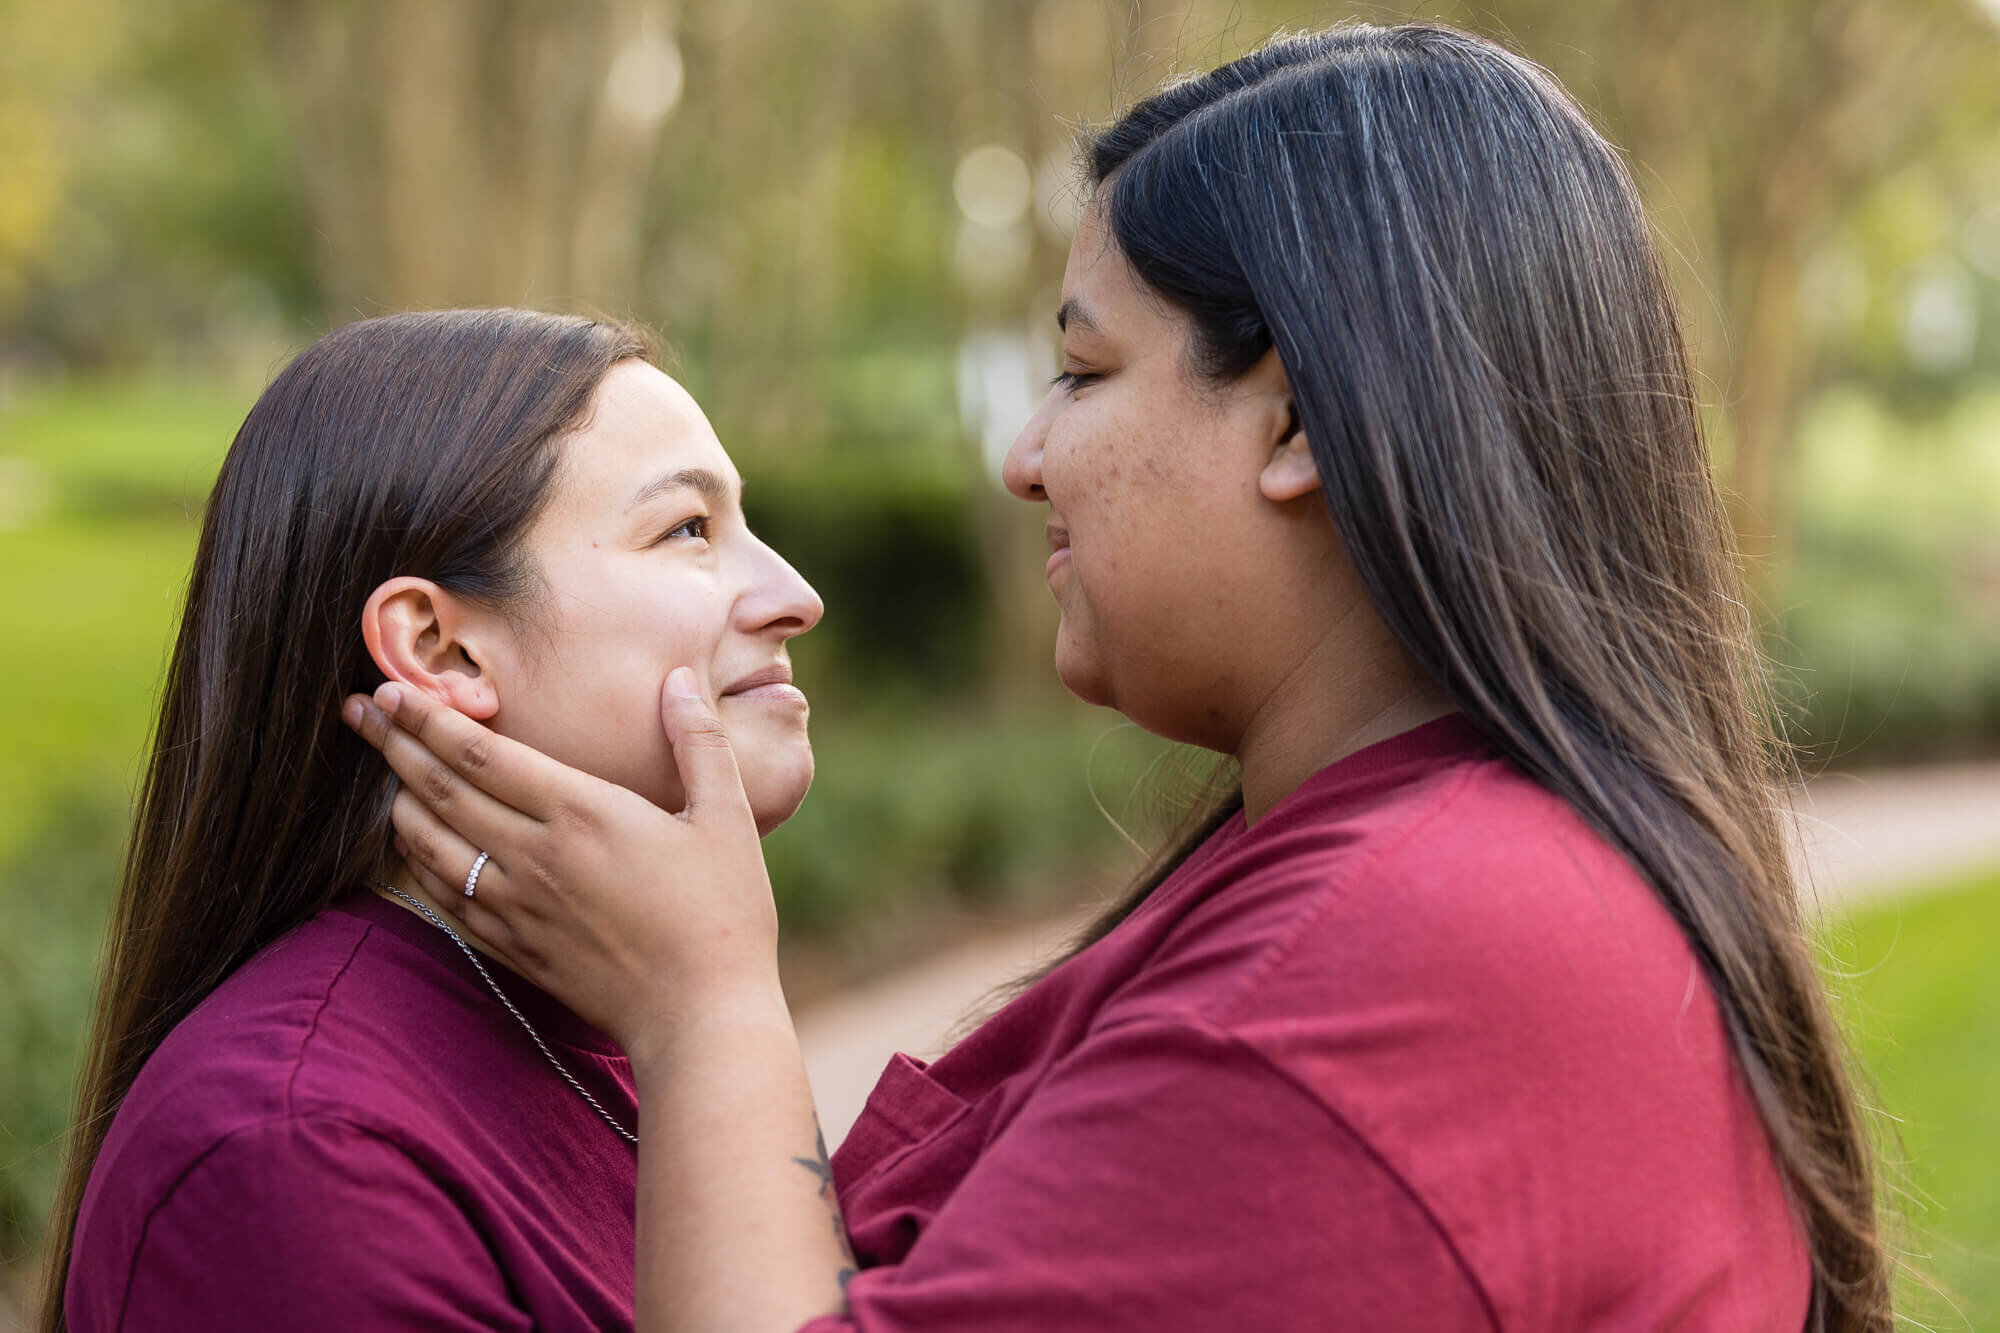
(101, 495)
(90, 607)
(154, 444)
(1924, 1007)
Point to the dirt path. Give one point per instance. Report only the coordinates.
(1861, 836)
(1865, 835)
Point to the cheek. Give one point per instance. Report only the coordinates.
(589, 693)
(623, 624)
(1165, 598)
(1142, 553)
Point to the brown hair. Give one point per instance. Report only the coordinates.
(420, 444)
(1458, 277)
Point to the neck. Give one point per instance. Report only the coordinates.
(1316, 717)
(399, 876)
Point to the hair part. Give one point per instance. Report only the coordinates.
(415, 444)
(1458, 277)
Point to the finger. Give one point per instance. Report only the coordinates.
(701, 747)
(513, 774)
(493, 932)
(436, 851)
(449, 897)
(443, 894)
(446, 894)
(472, 918)
(481, 819)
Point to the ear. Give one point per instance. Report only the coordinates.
(423, 637)
(1290, 472)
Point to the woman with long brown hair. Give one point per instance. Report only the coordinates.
(308, 1103)
(1484, 999)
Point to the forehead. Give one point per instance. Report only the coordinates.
(641, 422)
(1101, 294)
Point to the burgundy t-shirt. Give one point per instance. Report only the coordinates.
(352, 1133)
(1419, 1051)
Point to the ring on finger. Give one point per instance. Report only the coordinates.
(472, 880)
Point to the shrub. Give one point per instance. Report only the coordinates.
(1888, 623)
(54, 892)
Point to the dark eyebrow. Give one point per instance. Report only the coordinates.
(1072, 312)
(711, 486)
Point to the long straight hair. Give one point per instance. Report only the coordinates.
(1458, 277)
(420, 444)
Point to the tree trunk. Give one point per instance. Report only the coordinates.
(1764, 389)
(439, 153)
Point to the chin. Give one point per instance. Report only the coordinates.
(777, 789)
(1079, 675)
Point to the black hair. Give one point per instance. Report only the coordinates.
(1459, 280)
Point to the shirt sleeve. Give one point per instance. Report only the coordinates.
(1167, 1176)
(306, 1226)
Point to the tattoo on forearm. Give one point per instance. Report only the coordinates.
(822, 1169)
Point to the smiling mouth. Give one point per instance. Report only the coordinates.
(773, 682)
(1059, 549)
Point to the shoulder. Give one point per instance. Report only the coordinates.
(1502, 893)
(287, 1087)
(297, 1032)
(272, 1223)
(1469, 920)
(1490, 996)
(1466, 883)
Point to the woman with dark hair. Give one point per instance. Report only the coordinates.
(1484, 999)
(307, 1102)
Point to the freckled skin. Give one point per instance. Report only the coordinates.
(1188, 595)
(1204, 593)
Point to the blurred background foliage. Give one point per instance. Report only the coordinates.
(848, 218)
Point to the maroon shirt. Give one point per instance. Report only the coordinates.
(1418, 1051)
(352, 1133)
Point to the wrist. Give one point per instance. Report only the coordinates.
(747, 1014)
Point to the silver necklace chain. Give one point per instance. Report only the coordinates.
(501, 995)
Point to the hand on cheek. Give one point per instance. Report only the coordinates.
(640, 920)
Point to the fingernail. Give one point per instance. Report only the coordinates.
(389, 697)
(681, 681)
(350, 713)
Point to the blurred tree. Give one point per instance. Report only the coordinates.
(165, 230)
(47, 61)
(784, 189)
(1754, 127)
(463, 152)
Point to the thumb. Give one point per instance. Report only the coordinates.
(701, 747)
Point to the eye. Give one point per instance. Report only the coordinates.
(694, 527)
(1072, 380)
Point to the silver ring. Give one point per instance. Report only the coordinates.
(472, 880)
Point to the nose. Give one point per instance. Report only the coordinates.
(1022, 468)
(776, 598)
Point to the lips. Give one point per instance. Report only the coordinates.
(773, 682)
(1058, 547)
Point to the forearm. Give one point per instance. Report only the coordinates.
(737, 1226)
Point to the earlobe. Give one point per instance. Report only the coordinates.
(1291, 472)
(417, 633)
